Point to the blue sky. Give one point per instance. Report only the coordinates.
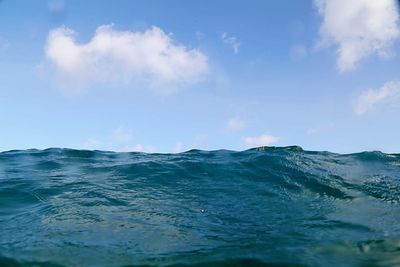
(168, 76)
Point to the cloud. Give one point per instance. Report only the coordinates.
(119, 140)
(298, 52)
(136, 148)
(263, 140)
(321, 129)
(121, 135)
(4, 43)
(151, 57)
(179, 147)
(200, 35)
(359, 28)
(232, 41)
(235, 124)
(296, 28)
(56, 6)
(388, 93)
(92, 144)
(201, 142)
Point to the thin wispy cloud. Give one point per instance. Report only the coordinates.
(119, 140)
(56, 6)
(179, 147)
(135, 148)
(150, 57)
(262, 140)
(298, 52)
(92, 144)
(200, 35)
(122, 135)
(320, 129)
(201, 142)
(4, 43)
(370, 99)
(235, 124)
(231, 41)
(359, 28)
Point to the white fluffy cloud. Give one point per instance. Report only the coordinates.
(388, 93)
(232, 41)
(149, 57)
(236, 124)
(359, 28)
(263, 140)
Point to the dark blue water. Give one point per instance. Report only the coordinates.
(261, 207)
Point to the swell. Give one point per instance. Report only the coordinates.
(230, 263)
(259, 207)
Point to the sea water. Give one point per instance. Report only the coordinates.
(260, 207)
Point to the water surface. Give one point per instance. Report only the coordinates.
(260, 207)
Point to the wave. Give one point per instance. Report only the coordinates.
(267, 206)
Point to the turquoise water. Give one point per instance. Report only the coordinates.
(260, 207)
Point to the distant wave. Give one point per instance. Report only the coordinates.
(267, 206)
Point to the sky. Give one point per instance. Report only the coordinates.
(169, 76)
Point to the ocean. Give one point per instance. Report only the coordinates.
(268, 206)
